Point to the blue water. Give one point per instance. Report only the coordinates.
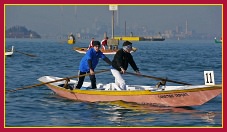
(183, 60)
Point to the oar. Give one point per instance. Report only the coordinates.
(40, 84)
(158, 78)
(25, 53)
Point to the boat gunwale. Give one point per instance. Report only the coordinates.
(85, 50)
(133, 92)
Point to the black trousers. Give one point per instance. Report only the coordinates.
(81, 80)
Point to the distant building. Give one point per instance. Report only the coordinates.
(21, 32)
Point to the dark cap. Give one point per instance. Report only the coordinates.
(126, 43)
(96, 43)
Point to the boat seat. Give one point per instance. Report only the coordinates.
(112, 86)
(130, 88)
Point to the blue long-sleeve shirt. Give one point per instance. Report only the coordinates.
(93, 56)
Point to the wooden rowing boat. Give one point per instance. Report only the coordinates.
(83, 50)
(10, 52)
(175, 96)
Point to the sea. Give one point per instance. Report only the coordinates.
(179, 60)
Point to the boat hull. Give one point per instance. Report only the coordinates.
(10, 53)
(174, 99)
(158, 39)
(218, 41)
(190, 96)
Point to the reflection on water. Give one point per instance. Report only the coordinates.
(209, 117)
(118, 112)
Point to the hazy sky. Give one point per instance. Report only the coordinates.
(55, 19)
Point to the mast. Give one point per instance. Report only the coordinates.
(113, 8)
(113, 24)
(125, 28)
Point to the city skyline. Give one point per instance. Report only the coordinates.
(63, 19)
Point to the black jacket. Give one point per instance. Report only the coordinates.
(122, 59)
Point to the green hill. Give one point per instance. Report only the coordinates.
(21, 32)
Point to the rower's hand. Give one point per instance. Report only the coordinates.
(92, 72)
(123, 71)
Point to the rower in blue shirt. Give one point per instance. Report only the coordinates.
(89, 62)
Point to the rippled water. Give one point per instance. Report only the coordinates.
(39, 106)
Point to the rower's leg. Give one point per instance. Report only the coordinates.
(93, 81)
(81, 80)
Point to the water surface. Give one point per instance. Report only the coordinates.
(39, 106)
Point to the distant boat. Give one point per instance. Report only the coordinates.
(138, 38)
(83, 50)
(217, 41)
(10, 52)
(158, 38)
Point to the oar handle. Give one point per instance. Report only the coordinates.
(40, 84)
(158, 78)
